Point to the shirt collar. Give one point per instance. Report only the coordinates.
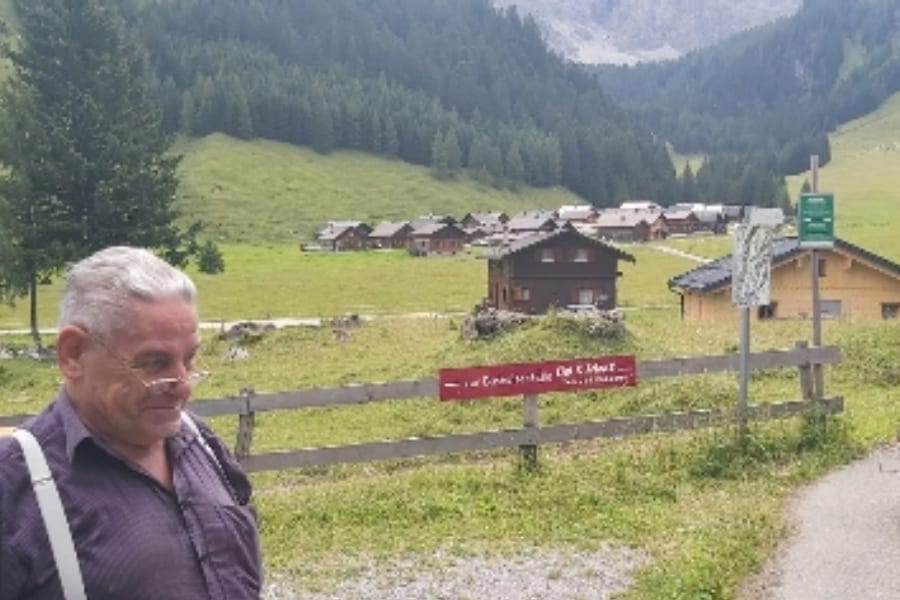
(76, 432)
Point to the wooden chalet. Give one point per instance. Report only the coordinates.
(343, 235)
(390, 234)
(533, 221)
(631, 225)
(681, 221)
(854, 284)
(553, 269)
(435, 239)
(711, 220)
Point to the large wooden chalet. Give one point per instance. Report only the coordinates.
(344, 235)
(853, 284)
(390, 234)
(553, 269)
(631, 225)
(436, 239)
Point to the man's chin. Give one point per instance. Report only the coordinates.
(164, 418)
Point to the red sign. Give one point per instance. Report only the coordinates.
(535, 378)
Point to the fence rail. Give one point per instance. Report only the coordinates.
(248, 402)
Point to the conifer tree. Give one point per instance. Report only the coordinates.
(83, 154)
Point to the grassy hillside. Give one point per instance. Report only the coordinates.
(864, 176)
(270, 192)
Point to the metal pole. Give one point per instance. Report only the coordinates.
(744, 363)
(818, 380)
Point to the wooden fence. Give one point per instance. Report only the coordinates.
(527, 438)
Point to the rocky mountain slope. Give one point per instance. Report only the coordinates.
(629, 31)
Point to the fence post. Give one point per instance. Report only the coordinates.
(529, 452)
(806, 374)
(246, 422)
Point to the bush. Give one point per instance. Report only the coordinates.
(209, 259)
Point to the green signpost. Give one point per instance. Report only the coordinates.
(816, 220)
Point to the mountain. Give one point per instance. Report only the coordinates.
(774, 91)
(458, 86)
(450, 84)
(630, 31)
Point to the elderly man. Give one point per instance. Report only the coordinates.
(153, 505)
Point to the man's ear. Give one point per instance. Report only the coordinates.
(71, 343)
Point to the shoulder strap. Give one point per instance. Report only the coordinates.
(54, 516)
(192, 425)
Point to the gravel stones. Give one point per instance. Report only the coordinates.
(529, 575)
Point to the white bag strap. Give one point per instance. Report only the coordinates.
(192, 425)
(54, 516)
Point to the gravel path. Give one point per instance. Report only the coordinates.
(533, 575)
(846, 540)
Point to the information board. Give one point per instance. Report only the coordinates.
(815, 220)
(534, 378)
(751, 271)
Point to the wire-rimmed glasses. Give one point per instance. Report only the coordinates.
(158, 386)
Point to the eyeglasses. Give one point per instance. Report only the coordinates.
(159, 386)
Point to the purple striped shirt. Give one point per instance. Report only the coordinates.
(134, 538)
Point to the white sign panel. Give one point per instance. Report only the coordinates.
(752, 267)
(773, 217)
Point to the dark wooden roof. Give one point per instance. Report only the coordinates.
(529, 241)
(387, 229)
(717, 273)
(430, 229)
(616, 217)
(334, 232)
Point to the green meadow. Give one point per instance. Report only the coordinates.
(271, 192)
(704, 508)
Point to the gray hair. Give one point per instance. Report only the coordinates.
(99, 288)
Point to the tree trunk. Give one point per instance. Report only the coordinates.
(32, 291)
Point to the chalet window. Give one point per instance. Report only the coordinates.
(822, 271)
(585, 296)
(547, 255)
(581, 255)
(767, 311)
(830, 308)
(522, 294)
(890, 310)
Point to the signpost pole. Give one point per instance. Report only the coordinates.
(818, 380)
(750, 283)
(744, 368)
